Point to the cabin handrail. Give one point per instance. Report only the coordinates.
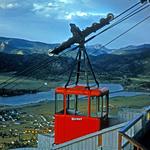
(131, 123)
(147, 109)
(132, 141)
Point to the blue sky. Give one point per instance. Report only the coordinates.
(48, 20)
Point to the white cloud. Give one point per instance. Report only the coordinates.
(50, 4)
(5, 5)
(57, 9)
(38, 7)
(70, 15)
(97, 14)
(66, 1)
(45, 9)
(62, 9)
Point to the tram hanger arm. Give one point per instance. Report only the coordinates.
(79, 36)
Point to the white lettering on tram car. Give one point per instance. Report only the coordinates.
(76, 119)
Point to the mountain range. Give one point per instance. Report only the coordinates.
(25, 47)
(17, 55)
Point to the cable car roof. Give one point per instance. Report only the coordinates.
(81, 90)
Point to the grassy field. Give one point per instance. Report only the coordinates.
(47, 108)
(27, 83)
(140, 83)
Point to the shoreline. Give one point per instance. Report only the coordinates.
(116, 90)
(133, 94)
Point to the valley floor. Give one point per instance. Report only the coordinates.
(19, 125)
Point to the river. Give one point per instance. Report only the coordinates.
(115, 91)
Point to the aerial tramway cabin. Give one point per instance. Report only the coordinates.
(70, 122)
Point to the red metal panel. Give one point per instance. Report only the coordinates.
(81, 90)
(68, 127)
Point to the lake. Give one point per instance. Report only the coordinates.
(115, 90)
